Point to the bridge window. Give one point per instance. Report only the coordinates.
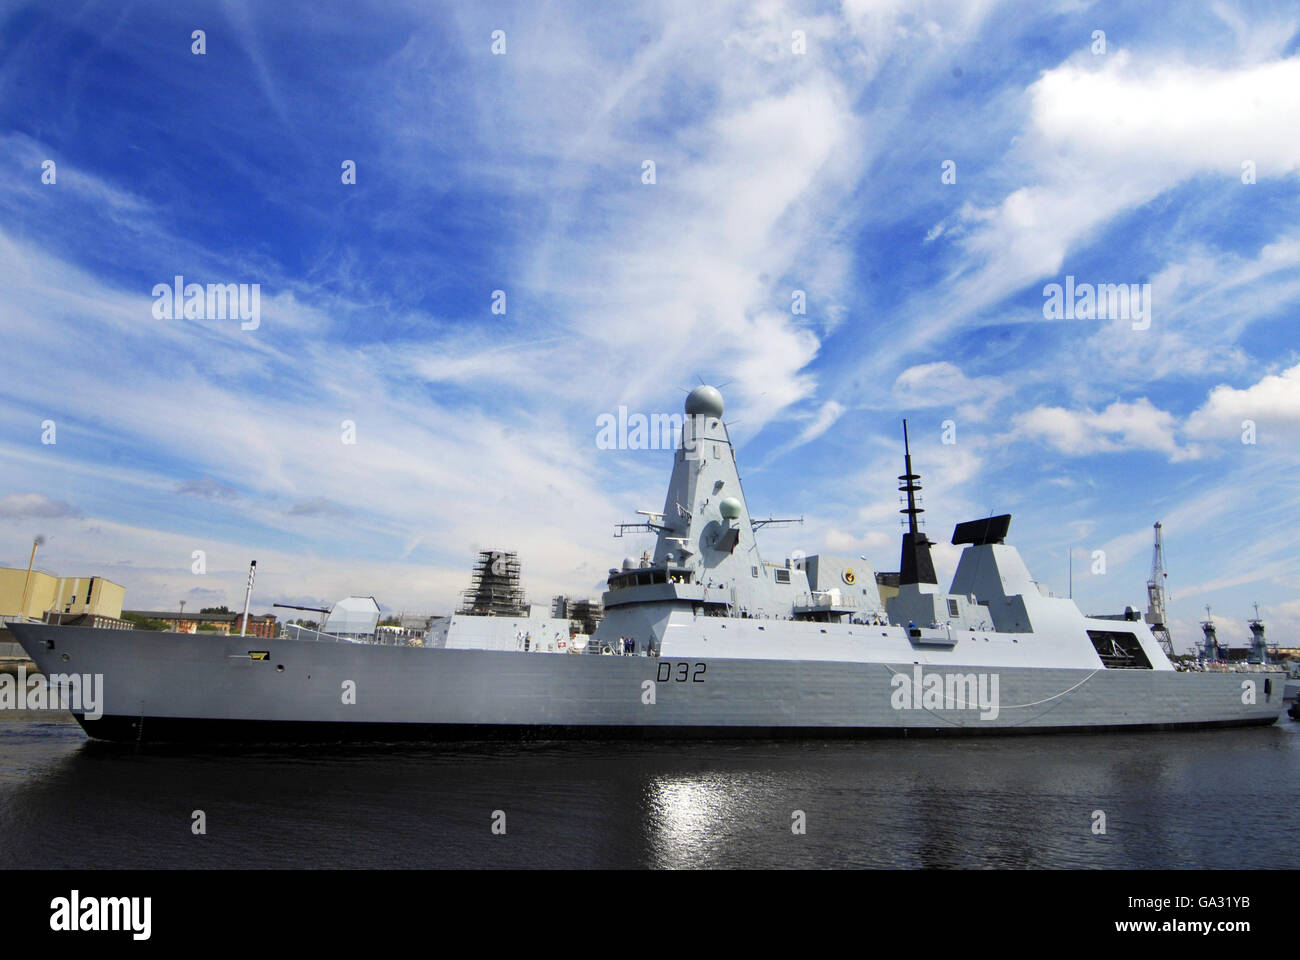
(782, 576)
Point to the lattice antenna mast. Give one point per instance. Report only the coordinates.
(910, 486)
(915, 564)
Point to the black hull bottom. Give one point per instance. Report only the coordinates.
(181, 730)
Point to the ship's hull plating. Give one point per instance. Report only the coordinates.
(180, 688)
(165, 730)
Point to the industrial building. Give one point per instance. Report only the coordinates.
(265, 625)
(181, 622)
(47, 593)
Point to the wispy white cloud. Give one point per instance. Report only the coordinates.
(1102, 137)
(1123, 425)
(1270, 405)
(942, 384)
(775, 171)
(35, 505)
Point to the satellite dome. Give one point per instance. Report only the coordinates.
(729, 508)
(704, 401)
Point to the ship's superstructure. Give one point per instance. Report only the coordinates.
(1210, 649)
(701, 637)
(706, 561)
(919, 600)
(707, 564)
(1258, 645)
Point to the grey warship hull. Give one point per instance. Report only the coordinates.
(178, 688)
(705, 639)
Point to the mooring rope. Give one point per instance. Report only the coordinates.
(1002, 706)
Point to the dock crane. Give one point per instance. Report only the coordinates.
(1156, 617)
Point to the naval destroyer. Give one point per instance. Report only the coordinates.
(702, 638)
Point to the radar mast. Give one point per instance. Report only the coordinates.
(915, 565)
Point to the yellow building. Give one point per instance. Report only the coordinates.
(68, 595)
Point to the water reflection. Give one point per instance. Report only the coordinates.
(1006, 802)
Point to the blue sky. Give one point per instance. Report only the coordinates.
(775, 171)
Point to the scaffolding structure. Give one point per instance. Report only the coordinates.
(494, 589)
(588, 613)
(585, 613)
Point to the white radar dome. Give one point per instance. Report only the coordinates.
(704, 401)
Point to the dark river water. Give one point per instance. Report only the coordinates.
(1221, 799)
